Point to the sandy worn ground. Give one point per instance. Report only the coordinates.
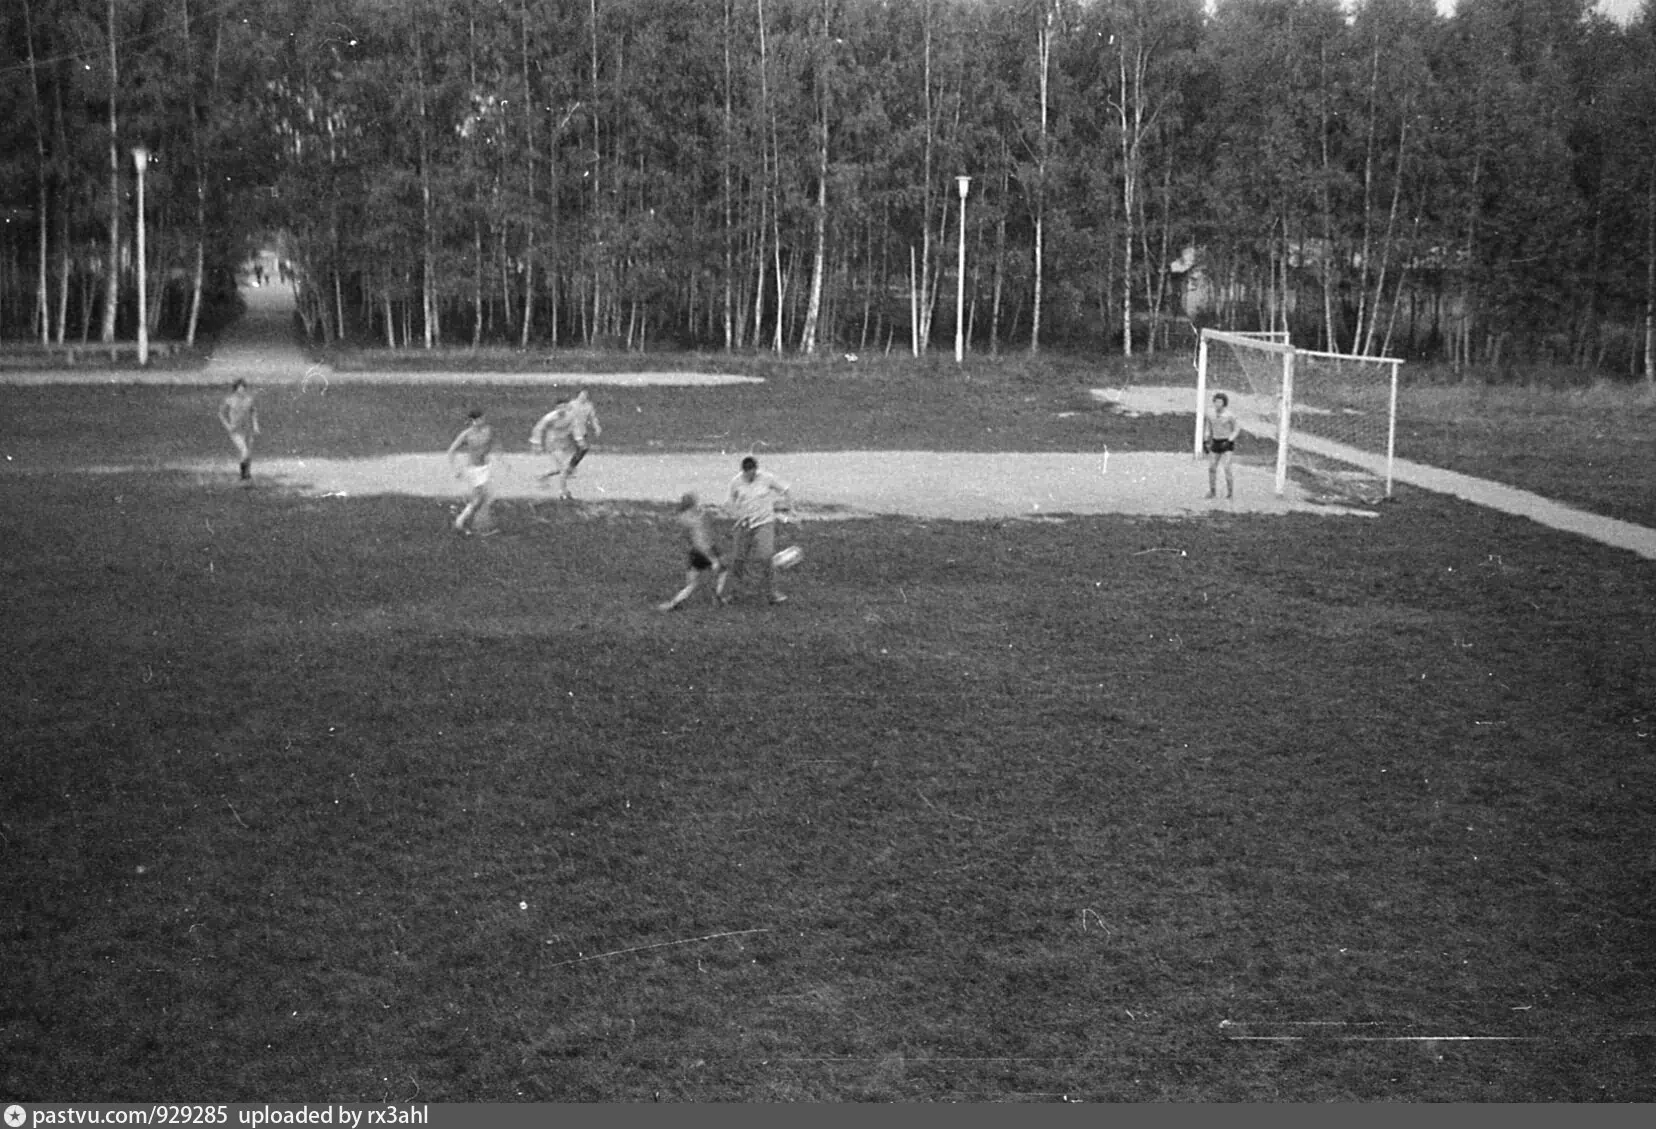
(827, 483)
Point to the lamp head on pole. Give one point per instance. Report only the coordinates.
(963, 183)
(140, 157)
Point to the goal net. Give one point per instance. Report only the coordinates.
(1331, 418)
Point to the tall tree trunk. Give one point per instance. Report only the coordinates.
(999, 284)
(773, 145)
(759, 243)
(778, 332)
(531, 221)
(1044, 55)
(1157, 295)
(477, 281)
(112, 277)
(922, 283)
(65, 262)
(42, 314)
(727, 188)
(813, 309)
(768, 201)
(1129, 203)
(1463, 328)
(1130, 119)
(1365, 344)
(1650, 281)
(1363, 332)
(1325, 196)
(593, 326)
(199, 267)
(428, 251)
(156, 264)
(819, 261)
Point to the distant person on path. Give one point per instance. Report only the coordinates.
(240, 417)
(697, 529)
(562, 433)
(1220, 445)
(474, 445)
(753, 502)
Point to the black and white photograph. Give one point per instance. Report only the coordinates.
(575, 553)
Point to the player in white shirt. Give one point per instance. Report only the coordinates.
(753, 502)
(562, 433)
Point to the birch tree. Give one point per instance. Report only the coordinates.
(1144, 38)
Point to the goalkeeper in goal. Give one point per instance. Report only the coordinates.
(1219, 443)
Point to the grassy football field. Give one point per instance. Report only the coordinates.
(306, 799)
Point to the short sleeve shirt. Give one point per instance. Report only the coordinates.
(754, 503)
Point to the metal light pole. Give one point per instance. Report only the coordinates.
(963, 183)
(140, 158)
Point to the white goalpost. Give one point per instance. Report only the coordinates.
(1329, 415)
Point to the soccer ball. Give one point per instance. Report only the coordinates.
(787, 558)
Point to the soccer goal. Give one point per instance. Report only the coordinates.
(1330, 416)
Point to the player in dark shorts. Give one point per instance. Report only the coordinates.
(1220, 444)
(702, 555)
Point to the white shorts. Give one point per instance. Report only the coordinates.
(477, 477)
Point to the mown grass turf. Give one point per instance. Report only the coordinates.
(141, 424)
(1594, 448)
(307, 799)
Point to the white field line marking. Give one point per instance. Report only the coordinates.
(658, 945)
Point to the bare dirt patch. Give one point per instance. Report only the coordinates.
(926, 484)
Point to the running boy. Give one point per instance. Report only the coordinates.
(240, 417)
(697, 529)
(474, 444)
(562, 433)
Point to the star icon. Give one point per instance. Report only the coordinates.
(15, 1116)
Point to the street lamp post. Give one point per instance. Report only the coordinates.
(963, 183)
(140, 158)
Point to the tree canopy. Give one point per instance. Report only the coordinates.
(782, 174)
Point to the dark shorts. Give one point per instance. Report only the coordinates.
(1222, 446)
(700, 561)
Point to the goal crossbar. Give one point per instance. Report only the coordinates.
(1269, 342)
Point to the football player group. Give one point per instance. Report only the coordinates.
(757, 501)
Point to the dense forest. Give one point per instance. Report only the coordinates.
(1476, 188)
